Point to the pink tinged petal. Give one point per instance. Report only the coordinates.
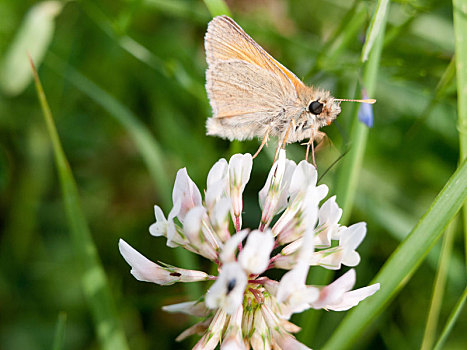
(299, 301)
(248, 316)
(271, 286)
(186, 275)
(288, 228)
(174, 235)
(281, 338)
(159, 228)
(220, 218)
(285, 262)
(144, 269)
(192, 225)
(228, 290)
(350, 240)
(273, 196)
(293, 247)
(261, 337)
(353, 236)
(287, 341)
(351, 258)
(212, 336)
(239, 174)
(304, 175)
(294, 293)
(218, 172)
(290, 327)
(330, 259)
(174, 239)
(292, 281)
(254, 257)
(239, 170)
(333, 293)
(329, 216)
(270, 317)
(233, 339)
(193, 308)
(228, 253)
(185, 192)
(352, 298)
(216, 182)
(200, 234)
(198, 328)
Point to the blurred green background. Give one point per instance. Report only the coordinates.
(125, 83)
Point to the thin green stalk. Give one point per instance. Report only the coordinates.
(146, 143)
(349, 173)
(348, 176)
(439, 286)
(460, 30)
(217, 7)
(451, 320)
(93, 278)
(59, 337)
(402, 264)
(376, 28)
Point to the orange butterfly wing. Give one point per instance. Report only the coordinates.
(225, 40)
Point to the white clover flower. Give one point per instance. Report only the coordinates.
(244, 308)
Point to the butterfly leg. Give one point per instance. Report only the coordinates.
(264, 142)
(281, 144)
(319, 137)
(311, 144)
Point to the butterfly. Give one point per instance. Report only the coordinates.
(253, 95)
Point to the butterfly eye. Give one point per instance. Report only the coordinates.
(315, 107)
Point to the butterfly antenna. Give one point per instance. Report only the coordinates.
(333, 163)
(367, 100)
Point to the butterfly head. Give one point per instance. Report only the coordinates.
(323, 109)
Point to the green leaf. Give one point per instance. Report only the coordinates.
(377, 25)
(397, 271)
(451, 320)
(93, 278)
(33, 38)
(60, 331)
(217, 7)
(439, 287)
(460, 28)
(348, 176)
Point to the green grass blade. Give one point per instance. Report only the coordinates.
(59, 337)
(439, 286)
(172, 70)
(146, 144)
(397, 271)
(451, 320)
(348, 176)
(460, 28)
(33, 37)
(217, 7)
(347, 32)
(93, 277)
(377, 25)
(444, 83)
(192, 10)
